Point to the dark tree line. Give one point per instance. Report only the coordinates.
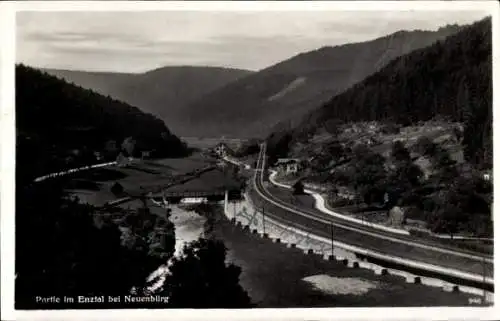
(54, 118)
(451, 78)
(60, 251)
(202, 280)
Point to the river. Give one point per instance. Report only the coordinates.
(276, 276)
(189, 226)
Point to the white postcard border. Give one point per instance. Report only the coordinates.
(7, 161)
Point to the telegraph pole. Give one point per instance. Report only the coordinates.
(331, 229)
(263, 221)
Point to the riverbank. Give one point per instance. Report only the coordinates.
(189, 227)
(278, 277)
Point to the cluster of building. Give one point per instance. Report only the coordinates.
(288, 166)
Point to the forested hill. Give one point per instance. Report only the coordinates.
(452, 78)
(288, 90)
(59, 125)
(163, 92)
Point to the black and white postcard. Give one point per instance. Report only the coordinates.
(172, 157)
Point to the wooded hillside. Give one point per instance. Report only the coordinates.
(451, 78)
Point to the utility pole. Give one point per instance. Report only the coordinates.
(263, 221)
(331, 229)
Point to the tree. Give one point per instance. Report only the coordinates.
(464, 206)
(128, 146)
(117, 189)
(446, 167)
(458, 134)
(111, 150)
(335, 149)
(200, 278)
(368, 173)
(278, 145)
(332, 126)
(447, 219)
(399, 152)
(54, 117)
(298, 188)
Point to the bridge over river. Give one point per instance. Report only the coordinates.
(208, 184)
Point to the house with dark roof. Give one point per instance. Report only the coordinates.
(288, 165)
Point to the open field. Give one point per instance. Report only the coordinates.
(176, 166)
(209, 142)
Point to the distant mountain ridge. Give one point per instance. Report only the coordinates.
(162, 92)
(60, 126)
(286, 91)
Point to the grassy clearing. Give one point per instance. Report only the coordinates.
(176, 166)
(145, 175)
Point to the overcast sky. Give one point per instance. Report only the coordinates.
(140, 41)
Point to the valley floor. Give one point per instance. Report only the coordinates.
(279, 277)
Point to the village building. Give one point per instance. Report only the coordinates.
(98, 156)
(346, 193)
(287, 166)
(396, 217)
(121, 160)
(222, 150)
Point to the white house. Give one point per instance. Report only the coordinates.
(288, 165)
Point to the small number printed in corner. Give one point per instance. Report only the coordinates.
(475, 301)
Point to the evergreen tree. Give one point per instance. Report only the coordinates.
(201, 279)
(60, 251)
